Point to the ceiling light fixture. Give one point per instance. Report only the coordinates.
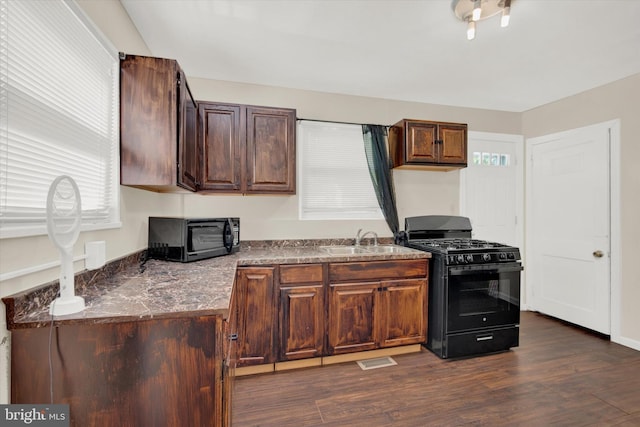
(470, 11)
(477, 10)
(506, 13)
(471, 30)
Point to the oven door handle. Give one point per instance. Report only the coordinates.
(461, 271)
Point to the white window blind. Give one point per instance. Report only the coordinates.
(335, 180)
(59, 114)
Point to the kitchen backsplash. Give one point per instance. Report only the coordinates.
(33, 300)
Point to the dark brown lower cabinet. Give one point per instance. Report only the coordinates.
(366, 316)
(159, 372)
(297, 311)
(256, 314)
(353, 322)
(376, 304)
(403, 312)
(301, 311)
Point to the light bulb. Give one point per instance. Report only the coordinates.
(504, 21)
(471, 30)
(477, 10)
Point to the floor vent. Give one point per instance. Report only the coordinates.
(380, 362)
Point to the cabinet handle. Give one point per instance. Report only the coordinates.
(233, 337)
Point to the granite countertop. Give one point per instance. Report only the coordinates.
(133, 289)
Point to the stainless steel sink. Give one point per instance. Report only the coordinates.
(387, 249)
(344, 250)
(350, 250)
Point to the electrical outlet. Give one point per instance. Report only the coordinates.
(96, 254)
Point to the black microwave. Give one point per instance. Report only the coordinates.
(192, 239)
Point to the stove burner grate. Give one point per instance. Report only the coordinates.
(458, 244)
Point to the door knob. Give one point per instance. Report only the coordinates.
(598, 254)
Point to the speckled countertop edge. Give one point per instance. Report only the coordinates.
(128, 289)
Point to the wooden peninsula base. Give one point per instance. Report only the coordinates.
(156, 372)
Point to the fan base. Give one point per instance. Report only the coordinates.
(61, 306)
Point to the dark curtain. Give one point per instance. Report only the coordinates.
(375, 147)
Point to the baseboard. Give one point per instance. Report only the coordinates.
(297, 364)
(252, 370)
(627, 342)
(371, 354)
(327, 360)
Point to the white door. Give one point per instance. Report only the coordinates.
(568, 226)
(492, 187)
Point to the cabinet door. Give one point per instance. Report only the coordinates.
(301, 311)
(221, 140)
(453, 145)
(421, 142)
(256, 315)
(188, 155)
(148, 128)
(301, 321)
(352, 322)
(270, 145)
(403, 312)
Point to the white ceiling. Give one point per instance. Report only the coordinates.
(411, 50)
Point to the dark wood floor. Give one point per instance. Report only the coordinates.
(559, 375)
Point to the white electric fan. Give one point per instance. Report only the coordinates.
(63, 225)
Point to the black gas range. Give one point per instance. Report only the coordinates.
(474, 287)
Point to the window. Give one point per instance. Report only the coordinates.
(59, 115)
(334, 176)
(491, 159)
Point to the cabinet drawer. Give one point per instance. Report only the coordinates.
(377, 270)
(300, 273)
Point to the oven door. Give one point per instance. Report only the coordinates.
(481, 296)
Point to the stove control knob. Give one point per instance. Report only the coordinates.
(486, 257)
(503, 256)
(469, 258)
(511, 255)
(460, 258)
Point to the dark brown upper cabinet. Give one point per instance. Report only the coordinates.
(158, 125)
(247, 149)
(222, 144)
(419, 144)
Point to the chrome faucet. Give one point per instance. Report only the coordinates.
(359, 237)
